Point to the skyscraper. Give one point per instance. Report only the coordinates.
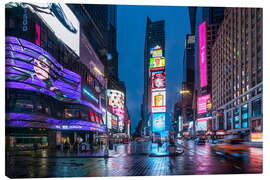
(154, 37)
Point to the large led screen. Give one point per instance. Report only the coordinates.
(158, 122)
(156, 52)
(157, 63)
(202, 103)
(202, 124)
(29, 67)
(203, 76)
(116, 101)
(159, 101)
(158, 80)
(61, 20)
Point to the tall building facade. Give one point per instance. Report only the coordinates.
(207, 23)
(154, 52)
(237, 73)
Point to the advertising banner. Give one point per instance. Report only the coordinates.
(159, 101)
(158, 80)
(29, 67)
(61, 20)
(157, 63)
(202, 103)
(203, 75)
(158, 122)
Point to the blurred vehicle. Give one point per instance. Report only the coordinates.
(125, 140)
(233, 147)
(200, 140)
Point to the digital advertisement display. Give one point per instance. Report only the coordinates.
(61, 20)
(202, 103)
(29, 67)
(203, 75)
(156, 52)
(159, 101)
(202, 124)
(28, 120)
(116, 101)
(158, 122)
(157, 63)
(158, 80)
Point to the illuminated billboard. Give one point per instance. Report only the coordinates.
(203, 75)
(201, 124)
(202, 103)
(158, 122)
(157, 63)
(156, 51)
(116, 101)
(159, 101)
(29, 67)
(158, 80)
(61, 20)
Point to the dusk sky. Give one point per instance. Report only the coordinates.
(131, 27)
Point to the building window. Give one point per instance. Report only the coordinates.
(72, 113)
(256, 126)
(244, 112)
(256, 108)
(236, 118)
(24, 104)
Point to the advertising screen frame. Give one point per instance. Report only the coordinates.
(154, 76)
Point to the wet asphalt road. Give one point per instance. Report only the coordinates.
(130, 161)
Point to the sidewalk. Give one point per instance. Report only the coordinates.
(45, 153)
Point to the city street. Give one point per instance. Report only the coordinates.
(134, 159)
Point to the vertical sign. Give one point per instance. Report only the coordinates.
(202, 31)
(37, 38)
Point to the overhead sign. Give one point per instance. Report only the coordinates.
(159, 101)
(201, 124)
(158, 80)
(158, 122)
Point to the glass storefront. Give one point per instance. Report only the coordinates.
(229, 120)
(256, 108)
(236, 118)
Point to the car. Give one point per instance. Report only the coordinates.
(125, 140)
(233, 147)
(200, 141)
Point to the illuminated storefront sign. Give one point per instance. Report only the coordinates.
(159, 101)
(158, 122)
(29, 67)
(256, 137)
(37, 38)
(157, 63)
(203, 75)
(202, 103)
(61, 19)
(201, 124)
(158, 80)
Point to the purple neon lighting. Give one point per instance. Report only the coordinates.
(28, 120)
(203, 75)
(202, 103)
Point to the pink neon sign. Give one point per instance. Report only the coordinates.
(202, 103)
(203, 54)
(37, 39)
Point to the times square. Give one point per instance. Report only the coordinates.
(181, 98)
